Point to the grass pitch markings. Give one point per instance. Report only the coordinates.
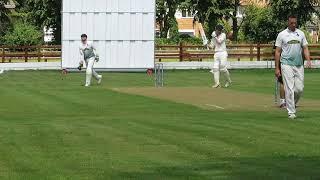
(215, 99)
(211, 105)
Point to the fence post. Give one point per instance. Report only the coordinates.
(181, 51)
(3, 55)
(258, 52)
(39, 53)
(251, 52)
(25, 54)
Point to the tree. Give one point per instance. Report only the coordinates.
(303, 9)
(235, 27)
(47, 13)
(165, 14)
(210, 12)
(4, 17)
(259, 26)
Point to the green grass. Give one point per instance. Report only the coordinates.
(54, 128)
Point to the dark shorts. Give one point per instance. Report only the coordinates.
(280, 79)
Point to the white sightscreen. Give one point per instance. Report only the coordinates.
(122, 31)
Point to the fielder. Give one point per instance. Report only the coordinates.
(88, 55)
(220, 57)
(289, 46)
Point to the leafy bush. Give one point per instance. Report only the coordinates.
(174, 29)
(23, 34)
(260, 26)
(185, 39)
(307, 34)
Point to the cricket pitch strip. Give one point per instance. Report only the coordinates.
(216, 99)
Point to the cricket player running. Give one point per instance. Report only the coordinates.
(289, 46)
(89, 55)
(218, 42)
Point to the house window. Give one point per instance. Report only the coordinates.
(186, 13)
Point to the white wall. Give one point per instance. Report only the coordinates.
(122, 31)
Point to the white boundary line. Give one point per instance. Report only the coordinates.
(212, 105)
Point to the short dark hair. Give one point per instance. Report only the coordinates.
(219, 27)
(84, 35)
(292, 16)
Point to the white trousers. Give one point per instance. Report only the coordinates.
(293, 79)
(220, 60)
(220, 65)
(90, 71)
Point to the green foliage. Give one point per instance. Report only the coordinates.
(307, 34)
(23, 34)
(241, 37)
(227, 27)
(174, 29)
(185, 39)
(303, 9)
(165, 11)
(210, 12)
(5, 21)
(259, 25)
(46, 13)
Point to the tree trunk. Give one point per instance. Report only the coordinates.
(235, 27)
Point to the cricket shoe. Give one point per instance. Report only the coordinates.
(228, 84)
(292, 116)
(216, 86)
(283, 106)
(99, 79)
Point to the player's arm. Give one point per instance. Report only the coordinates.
(211, 44)
(221, 38)
(277, 55)
(277, 61)
(81, 60)
(81, 56)
(95, 52)
(306, 52)
(94, 49)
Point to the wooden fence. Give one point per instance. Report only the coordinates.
(179, 52)
(29, 53)
(236, 51)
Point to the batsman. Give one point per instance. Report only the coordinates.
(218, 42)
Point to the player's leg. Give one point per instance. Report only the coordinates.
(224, 70)
(216, 71)
(299, 83)
(282, 93)
(288, 80)
(96, 76)
(89, 63)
